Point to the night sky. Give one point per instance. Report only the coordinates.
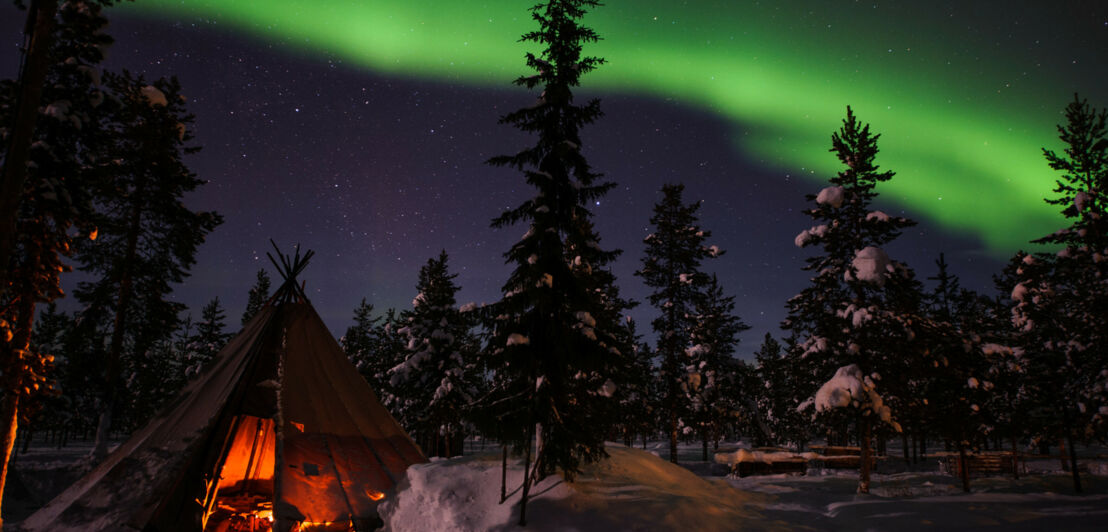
(360, 129)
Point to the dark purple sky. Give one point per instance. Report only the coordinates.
(377, 174)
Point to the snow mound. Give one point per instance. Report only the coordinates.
(631, 490)
(1080, 201)
(843, 389)
(154, 96)
(746, 455)
(871, 264)
(832, 196)
(851, 388)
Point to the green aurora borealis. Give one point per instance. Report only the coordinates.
(964, 99)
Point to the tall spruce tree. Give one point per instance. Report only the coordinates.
(258, 295)
(148, 238)
(842, 319)
(362, 344)
(554, 357)
(49, 28)
(671, 267)
(635, 393)
(44, 186)
(1062, 297)
(437, 379)
(775, 400)
(714, 373)
(209, 338)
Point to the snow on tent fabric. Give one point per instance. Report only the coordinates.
(281, 431)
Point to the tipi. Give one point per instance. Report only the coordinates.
(279, 433)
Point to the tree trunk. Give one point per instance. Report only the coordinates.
(864, 428)
(13, 376)
(963, 466)
(1062, 452)
(1073, 459)
(115, 352)
(10, 412)
(673, 434)
(905, 446)
(1015, 459)
(14, 172)
(503, 473)
(528, 476)
(27, 441)
(704, 457)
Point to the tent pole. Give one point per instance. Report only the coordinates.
(213, 483)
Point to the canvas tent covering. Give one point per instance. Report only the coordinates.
(280, 431)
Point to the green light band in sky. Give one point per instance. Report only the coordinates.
(963, 112)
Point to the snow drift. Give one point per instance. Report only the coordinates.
(632, 490)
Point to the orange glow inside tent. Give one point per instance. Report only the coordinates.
(243, 500)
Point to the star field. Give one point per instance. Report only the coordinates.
(360, 130)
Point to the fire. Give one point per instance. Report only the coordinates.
(306, 526)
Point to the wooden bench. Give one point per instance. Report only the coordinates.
(841, 462)
(830, 450)
(986, 464)
(778, 466)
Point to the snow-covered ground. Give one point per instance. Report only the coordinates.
(636, 490)
(930, 501)
(633, 490)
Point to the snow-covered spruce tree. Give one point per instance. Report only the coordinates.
(610, 319)
(554, 355)
(1061, 299)
(364, 347)
(713, 373)
(776, 399)
(208, 340)
(634, 393)
(841, 320)
(44, 189)
(437, 380)
(148, 238)
(671, 267)
(941, 301)
(258, 295)
(153, 377)
(1010, 400)
(51, 31)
